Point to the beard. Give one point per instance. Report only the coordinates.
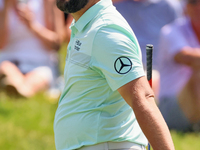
(71, 6)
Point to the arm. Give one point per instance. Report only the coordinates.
(67, 29)
(51, 34)
(4, 23)
(139, 95)
(189, 56)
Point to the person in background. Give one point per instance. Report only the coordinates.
(146, 18)
(31, 32)
(107, 102)
(179, 58)
(54, 92)
(68, 21)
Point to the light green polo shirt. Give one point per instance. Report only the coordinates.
(103, 55)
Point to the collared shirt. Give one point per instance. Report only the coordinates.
(103, 55)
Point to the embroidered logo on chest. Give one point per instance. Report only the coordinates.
(77, 45)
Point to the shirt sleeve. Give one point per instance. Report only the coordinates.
(117, 56)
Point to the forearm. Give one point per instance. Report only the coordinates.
(49, 38)
(153, 125)
(189, 56)
(3, 27)
(67, 32)
(139, 95)
(50, 34)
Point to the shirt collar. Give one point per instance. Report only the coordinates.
(90, 14)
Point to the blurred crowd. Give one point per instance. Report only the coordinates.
(33, 31)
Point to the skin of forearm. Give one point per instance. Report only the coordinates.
(153, 124)
(189, 57)
(3, 28)
(48, 38)
(139, 95)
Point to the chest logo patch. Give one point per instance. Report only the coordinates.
(123, 65)
(77, 45)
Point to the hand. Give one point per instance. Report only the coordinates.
(26, 15)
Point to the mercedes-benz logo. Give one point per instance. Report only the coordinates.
(123, 65)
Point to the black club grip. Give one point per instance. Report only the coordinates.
(149, 54)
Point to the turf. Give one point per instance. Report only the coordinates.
(26, 124)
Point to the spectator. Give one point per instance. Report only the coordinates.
(179, 60)
(31, 32)
(146, 18)
(68, 21)
(54, 92)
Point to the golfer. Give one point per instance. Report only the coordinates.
(107, 102)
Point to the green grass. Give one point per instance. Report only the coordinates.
(26, 124)
(186, 141)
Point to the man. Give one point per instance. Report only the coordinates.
(180, 70)
(104, 79)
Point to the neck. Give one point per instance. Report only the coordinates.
(79, 13)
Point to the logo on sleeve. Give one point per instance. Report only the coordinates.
(123, 65)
